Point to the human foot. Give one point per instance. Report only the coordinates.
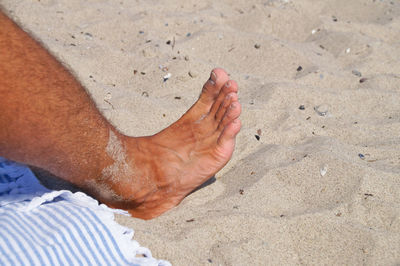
(151, 175)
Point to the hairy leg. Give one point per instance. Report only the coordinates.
(49, 121)
(46, 117)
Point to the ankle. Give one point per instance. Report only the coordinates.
(119, 181)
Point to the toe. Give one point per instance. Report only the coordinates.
(230, 98)
(232, 113)
(226, 141)
(229, 87)
(212, 87)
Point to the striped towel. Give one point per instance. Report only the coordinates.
(39, 226)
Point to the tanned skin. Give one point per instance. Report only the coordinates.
(48, 120)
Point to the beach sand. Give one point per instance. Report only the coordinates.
(315, 178)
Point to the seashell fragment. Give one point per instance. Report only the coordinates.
(323, 170)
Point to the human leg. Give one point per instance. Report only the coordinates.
(48, 120)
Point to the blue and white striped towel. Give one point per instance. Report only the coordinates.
(39, 226)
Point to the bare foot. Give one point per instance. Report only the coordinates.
(151, 175)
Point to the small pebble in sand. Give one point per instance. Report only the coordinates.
(257, 46)
(241, 191)
(166, 77)
(368, 195)
(302, 107)
(356, 73)
(257, 137)
(168, 42)
(190, 220)
(334, 19)
(348, 50)
(259, 132)
(322, 109)
(323, 170)
(134, 72)
(362, 80)
(108, 96)
(315, 31)
(362, 157)
(188, 34)
(177, 97)
(192, 74)
(186, 58)
(300, 68)
(145, 94)
(143, 73)
(141, 32)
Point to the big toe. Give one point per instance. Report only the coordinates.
(213, 86)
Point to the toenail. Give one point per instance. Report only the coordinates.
(227, 100)
(213, 76)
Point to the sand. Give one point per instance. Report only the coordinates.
(315, 178)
